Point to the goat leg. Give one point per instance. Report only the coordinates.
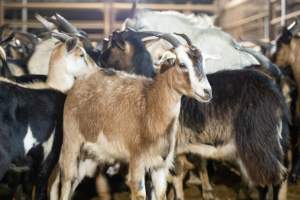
(159, 179)
(203, 174)
(48, 166)
(102, 186)
(137, 180)
(182, 166)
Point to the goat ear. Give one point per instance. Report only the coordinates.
(168, 58)
(286, 36)
(71, 44)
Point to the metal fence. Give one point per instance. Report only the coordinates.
(258, 19)
(108, 10)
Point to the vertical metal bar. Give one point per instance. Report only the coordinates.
(107, 7)
(267, 21)
(283, 12)
(24, 15)
(1, 13)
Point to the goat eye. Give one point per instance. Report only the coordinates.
(182, 65)
(81, 55)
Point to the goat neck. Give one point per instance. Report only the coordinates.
(163, 100)
(63, 72)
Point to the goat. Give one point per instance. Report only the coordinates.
(19, 48)
(56, 23)
(204, 35)
(252, 134)
(30, 127)
(226, 104)
(155, 134)
(285, 53)
(68, 64)
(127, 52)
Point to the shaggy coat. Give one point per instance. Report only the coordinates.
(244, 121)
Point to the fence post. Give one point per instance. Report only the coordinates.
(24, 15)
(283, 12)
(1, 12)
(267, 21)
(107, 9)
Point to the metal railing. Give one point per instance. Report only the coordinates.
(107, 9)
(269, 18)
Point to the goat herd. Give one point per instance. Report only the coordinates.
(165, 88)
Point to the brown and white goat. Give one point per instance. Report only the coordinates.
(112, 116)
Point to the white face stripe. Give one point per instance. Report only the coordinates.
(29, 140)
(197, 85)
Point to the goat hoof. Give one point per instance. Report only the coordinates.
(140, 197)
(208, 195)
(293, 178)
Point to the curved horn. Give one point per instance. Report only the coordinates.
(166, 36)
(2, 53)
(292, 25)
(171, 39)
(65, 25)
(26, 37)
(264, 61)
(47, 24)
(8, 38)
(133, 9)
(60, 36)
(185, 37)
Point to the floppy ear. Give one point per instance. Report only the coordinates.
(71, 44)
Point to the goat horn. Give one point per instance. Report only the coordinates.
(292, 25)
(166, 36)
(264, 61)
(65, 25)
(46, 23)
(185, 37)
(8, 38)
(133, 9)
(2, 54)
(60, 36)
(26, 37)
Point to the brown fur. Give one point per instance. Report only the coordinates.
(142, 129)
(289, 54)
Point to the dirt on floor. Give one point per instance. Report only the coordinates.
(226, 184)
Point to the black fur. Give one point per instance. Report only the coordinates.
(141, 60)
(42, 110)
(254, 106)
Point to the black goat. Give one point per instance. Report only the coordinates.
(125, 51)
(246, 121)
(30, 125)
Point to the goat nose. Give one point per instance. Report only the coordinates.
(207, 93)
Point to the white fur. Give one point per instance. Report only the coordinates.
(39, 61)
(47, 146)
(197, 85)
(29, 140)
(279, 129)
(2, 53)
(204, 35)
(209, 151)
